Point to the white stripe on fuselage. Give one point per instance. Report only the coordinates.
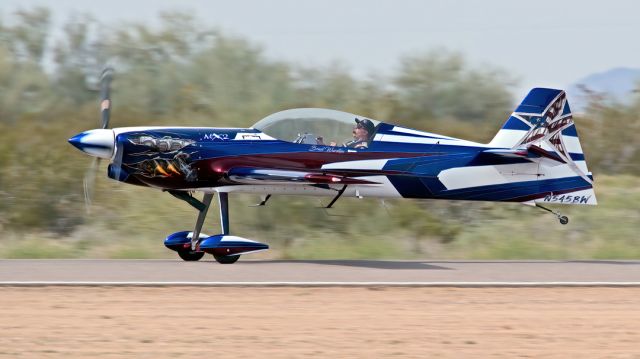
(357, 165)
(465, 177)
(474, 176)
(424, 140)
(420, 133)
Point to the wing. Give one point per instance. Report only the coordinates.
(252, 175)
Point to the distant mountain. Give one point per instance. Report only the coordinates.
(616, 84)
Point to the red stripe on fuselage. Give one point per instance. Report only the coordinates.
(211, 172)
(307, 161)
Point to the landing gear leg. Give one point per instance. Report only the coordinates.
(563, 219)
(195, 238)
(223, 202)
(192, 253)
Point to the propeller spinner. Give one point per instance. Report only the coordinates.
(97, 143)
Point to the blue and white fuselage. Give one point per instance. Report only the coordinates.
(398, 162)
(536, 157)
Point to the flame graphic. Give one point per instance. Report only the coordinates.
(161, 170)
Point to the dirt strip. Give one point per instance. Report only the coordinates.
(376, 322)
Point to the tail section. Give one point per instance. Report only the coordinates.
(542, 128)
(533, 118)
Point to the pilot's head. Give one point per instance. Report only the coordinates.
(363, 129)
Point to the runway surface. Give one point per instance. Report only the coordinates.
(327, 309)
(320, 273)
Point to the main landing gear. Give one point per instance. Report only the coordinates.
(563, 219)
(226, 259)
(225, 248)
(189, 255)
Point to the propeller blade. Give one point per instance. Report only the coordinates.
(89, 183)
(89, 180)
(105, 96)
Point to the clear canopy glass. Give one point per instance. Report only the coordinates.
(311, 126)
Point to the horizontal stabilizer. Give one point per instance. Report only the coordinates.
(532, 152)
(507, 153)
(533, 149)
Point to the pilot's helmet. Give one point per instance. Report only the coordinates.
(366, 124)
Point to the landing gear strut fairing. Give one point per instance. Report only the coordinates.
(535, 158)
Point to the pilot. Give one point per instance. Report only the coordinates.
(361, 133)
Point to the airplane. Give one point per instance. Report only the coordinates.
(535, 159)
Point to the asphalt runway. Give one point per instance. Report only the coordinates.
(321, 272)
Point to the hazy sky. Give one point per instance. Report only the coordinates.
(541, 42)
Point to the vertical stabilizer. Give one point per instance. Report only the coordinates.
(543, 126)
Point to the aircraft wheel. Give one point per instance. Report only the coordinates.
(226, 259)
(190, 256)
(564, 219)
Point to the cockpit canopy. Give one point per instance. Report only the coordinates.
(312, 126)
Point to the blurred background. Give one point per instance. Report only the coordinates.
(452, 67)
